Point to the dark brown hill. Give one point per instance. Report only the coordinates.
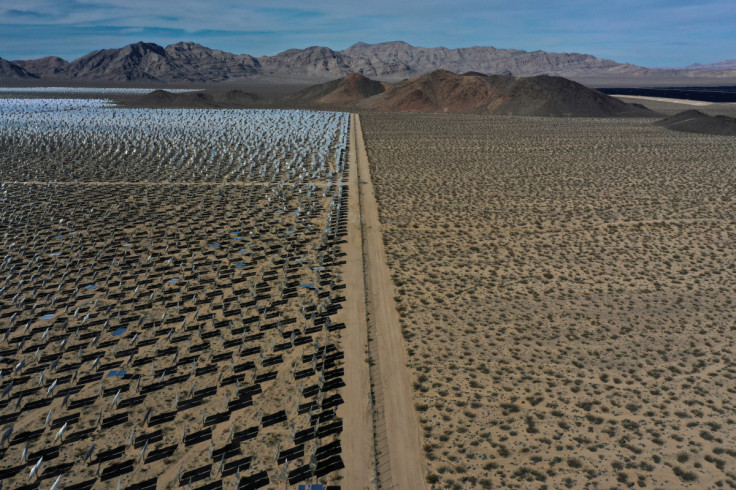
(442, 91)
(545, 95)
(50, 66)
(439, 91)
(236, 97)
(343, 92)
(12, 71)
(693, 121)
(163, 99)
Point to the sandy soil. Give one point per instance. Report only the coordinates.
(358, 446)
(673, 106)
(664, 99)
(401, 428)
(565, 289)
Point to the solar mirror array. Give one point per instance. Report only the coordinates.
(169, 296)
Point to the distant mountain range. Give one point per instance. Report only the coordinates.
(721, 65)
(187, 62)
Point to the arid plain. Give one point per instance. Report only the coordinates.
(565, 291)
(562, 286)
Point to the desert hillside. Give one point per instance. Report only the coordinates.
(342, 92)
(443, 91)
(201, 100)
(694, 121)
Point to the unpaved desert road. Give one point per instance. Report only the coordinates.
(398, 422)
(356, 412)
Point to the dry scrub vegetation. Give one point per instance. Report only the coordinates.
(565, 288)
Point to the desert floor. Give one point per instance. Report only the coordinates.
(669, 107)
(396, 431)
(564, 288)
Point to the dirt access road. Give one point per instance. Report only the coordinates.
(357, 411)
(397, 436)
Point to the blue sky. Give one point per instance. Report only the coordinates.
(653, 33)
